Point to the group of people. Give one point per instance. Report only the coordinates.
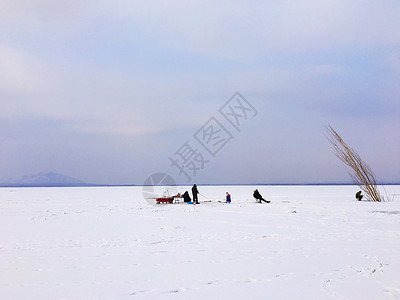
(195, 192)
(256, 195)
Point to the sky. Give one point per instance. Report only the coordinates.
(112, 92)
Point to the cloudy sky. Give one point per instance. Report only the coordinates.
(114, 91)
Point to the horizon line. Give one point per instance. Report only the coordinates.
(5, 185)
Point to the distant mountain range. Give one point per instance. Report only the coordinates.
(52, 179)
(44, 179)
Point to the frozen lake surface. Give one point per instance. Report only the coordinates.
(310, 242)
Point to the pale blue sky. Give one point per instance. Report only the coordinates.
(108, 91)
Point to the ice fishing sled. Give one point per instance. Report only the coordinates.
(169, 200)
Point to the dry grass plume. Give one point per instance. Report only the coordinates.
(361, 174)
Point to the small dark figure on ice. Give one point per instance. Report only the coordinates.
(186, 197)
(195, 191)
(359, 196)
(228, 198)
(258, 196)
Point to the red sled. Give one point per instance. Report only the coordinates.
(163, 200)
(168, 200)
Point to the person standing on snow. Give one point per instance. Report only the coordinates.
(258, 196)
(228, 198)
(195, 191)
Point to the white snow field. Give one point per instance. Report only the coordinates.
(310, 242)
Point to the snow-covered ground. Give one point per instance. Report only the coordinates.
(310, 242)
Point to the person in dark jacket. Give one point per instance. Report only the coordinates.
(228, 198)
(195, 191)
(258, 196)
(359, 196)
(186, 197)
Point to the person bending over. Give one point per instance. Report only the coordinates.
(359, 196)
(258, 196)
